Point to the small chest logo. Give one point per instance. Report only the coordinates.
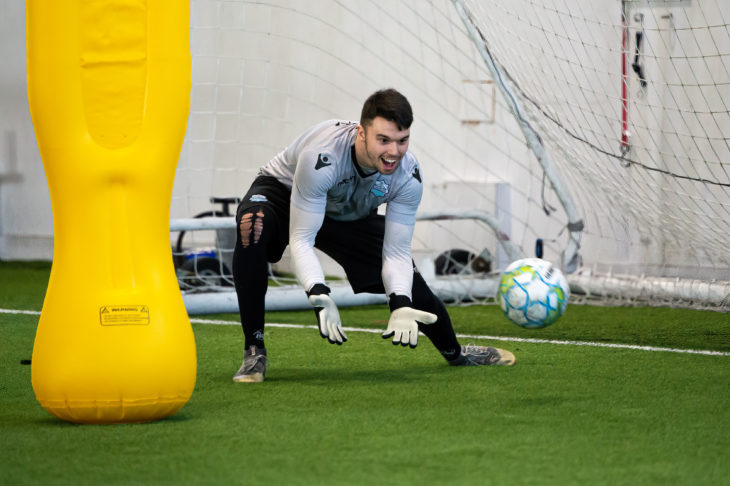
(380, 188)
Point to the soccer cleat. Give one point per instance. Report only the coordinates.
(253, 367)
(472, 355)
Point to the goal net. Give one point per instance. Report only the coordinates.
(596, 131)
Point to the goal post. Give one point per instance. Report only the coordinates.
(599, 128)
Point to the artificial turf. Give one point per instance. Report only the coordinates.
(369, 413)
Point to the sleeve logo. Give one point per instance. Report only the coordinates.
(321, 162)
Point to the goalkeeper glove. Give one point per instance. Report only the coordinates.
(404, 320)
(328, 317)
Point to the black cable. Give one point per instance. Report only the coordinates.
(636, 66)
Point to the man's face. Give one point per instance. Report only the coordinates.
(384, 144)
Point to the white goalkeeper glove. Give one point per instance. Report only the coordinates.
(328, 317)
(403, 323)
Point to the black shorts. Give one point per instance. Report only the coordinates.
(356, 245)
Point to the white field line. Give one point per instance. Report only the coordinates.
(465, 336)
(16, 311)
(502, 338)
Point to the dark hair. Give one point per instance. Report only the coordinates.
(388, 104)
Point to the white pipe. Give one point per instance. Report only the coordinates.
(294, 298)
(570, 257)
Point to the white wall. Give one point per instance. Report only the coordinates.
(26, 223)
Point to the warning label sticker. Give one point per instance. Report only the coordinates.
(124, 315)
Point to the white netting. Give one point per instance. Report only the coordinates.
(633, 104)
(648, 167)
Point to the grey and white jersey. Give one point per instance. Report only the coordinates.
(324, 178)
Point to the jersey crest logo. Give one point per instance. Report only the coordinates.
(417, 175)
(380, 188)
(321, 162)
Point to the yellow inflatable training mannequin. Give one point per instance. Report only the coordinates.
(109, 91)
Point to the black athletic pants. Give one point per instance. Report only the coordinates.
(262, 219)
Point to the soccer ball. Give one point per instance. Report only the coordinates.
(533, 293)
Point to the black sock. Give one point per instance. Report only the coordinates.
(441, 333)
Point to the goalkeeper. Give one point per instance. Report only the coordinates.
(323, 192)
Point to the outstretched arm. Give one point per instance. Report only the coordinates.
(398, 282)
(307, 208)
(303, 227)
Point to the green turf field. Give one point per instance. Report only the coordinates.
(370, 413)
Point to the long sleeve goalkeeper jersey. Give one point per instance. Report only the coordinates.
(320, 168)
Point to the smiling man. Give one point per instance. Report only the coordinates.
(323, 191)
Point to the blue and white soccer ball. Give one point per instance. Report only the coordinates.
(533, 293)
